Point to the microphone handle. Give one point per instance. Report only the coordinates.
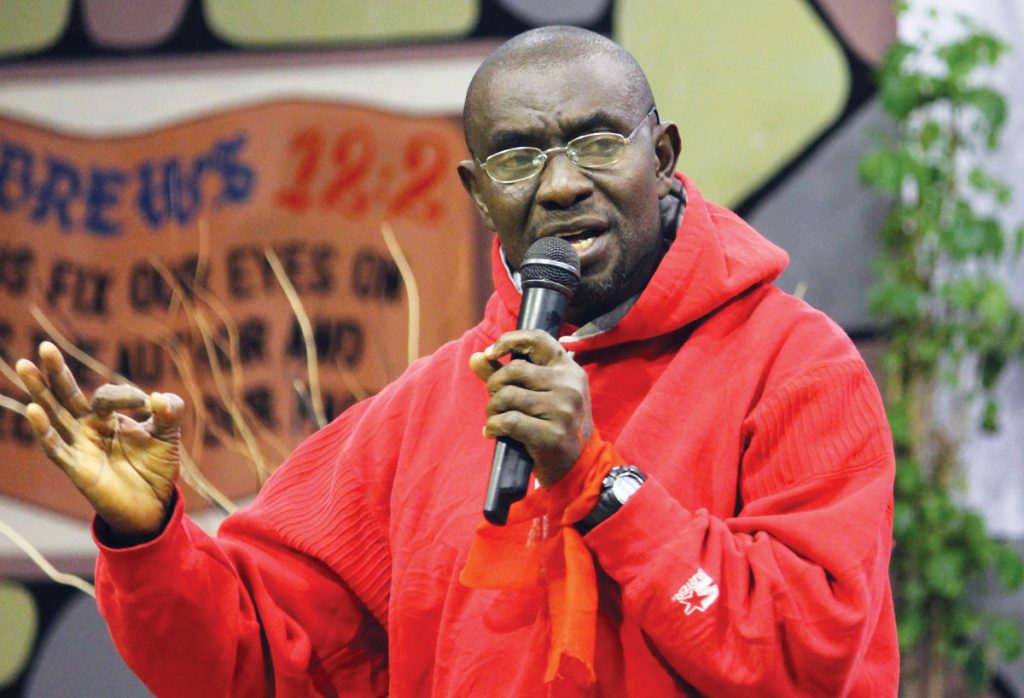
(541, 309)
(510, 477)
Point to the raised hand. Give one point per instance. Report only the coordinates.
(543, 403)
(125, 468)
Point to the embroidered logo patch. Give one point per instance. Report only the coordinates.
(699, 592)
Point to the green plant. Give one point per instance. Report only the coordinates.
(952, 329)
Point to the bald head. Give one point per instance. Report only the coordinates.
(550, 46)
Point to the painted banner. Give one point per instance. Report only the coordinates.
(149, 254)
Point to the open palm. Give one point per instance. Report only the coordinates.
(125, 468)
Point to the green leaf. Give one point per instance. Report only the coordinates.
(990, 416)
(991, 366)
(939, 512)
(927, 350)
(976, 669)
(899, 423)
(883, 169)
(894, 300)
(968, 235)
(991, 106)
(994, 304)
(903, 519)
(1006, 636)
(975, 534)
(902, 94)
(964, 622)
(983, 182)
(930, 134)
(969, 53)
(989, 238)
(891, 68)
(914, 594)
(957, 654)
(910, 629)
(1009, 568)
(944, 573)
(908, 477)
(961, 293)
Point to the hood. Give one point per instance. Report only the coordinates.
(715, 257)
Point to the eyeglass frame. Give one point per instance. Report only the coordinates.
(545, 152)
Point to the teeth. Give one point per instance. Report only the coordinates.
(581, 245)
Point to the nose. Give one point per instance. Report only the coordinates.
(562, 182)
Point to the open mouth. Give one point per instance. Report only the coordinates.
(582, 240)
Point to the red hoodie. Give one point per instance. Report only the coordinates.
(753, 561)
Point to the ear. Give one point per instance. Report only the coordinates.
(468, 174)
(666, 149)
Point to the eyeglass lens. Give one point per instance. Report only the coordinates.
(592, 151)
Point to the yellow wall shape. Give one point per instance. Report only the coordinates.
(17, 631)
(750, 82)
(268, 23)
(27, 26)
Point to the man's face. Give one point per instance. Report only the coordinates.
(610, 215)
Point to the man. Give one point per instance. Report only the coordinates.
(745, 551)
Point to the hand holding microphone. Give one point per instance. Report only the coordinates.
(540, 405)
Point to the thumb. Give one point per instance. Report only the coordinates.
(168, 410)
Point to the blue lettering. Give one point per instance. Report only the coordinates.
(103, 195)
(189, 197)
(239, 178)
(167, 191)
(154, 198)
(16, 169)
(92, 198)
(59, 188)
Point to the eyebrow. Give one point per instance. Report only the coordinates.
(597, 121)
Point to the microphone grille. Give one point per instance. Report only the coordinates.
(551, 260)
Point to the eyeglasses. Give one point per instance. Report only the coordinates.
(592, 151)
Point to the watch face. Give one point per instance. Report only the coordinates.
(624, 487)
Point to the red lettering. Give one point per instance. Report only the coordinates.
(354, 152)
(309, 145)
(425, 159)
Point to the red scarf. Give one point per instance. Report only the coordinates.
(523, 554)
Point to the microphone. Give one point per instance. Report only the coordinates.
(549, 275)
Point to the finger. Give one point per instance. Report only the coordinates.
(55, 448)
(538, 435)
(512, 398)
(109, 398)
(168, 410)
(57, 416)
(538, 346)
(62, 381)
(521, 373)
(483, 367)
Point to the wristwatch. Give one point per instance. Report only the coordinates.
(618, 486)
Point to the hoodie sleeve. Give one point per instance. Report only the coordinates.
(783, 599)
(275, 604)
